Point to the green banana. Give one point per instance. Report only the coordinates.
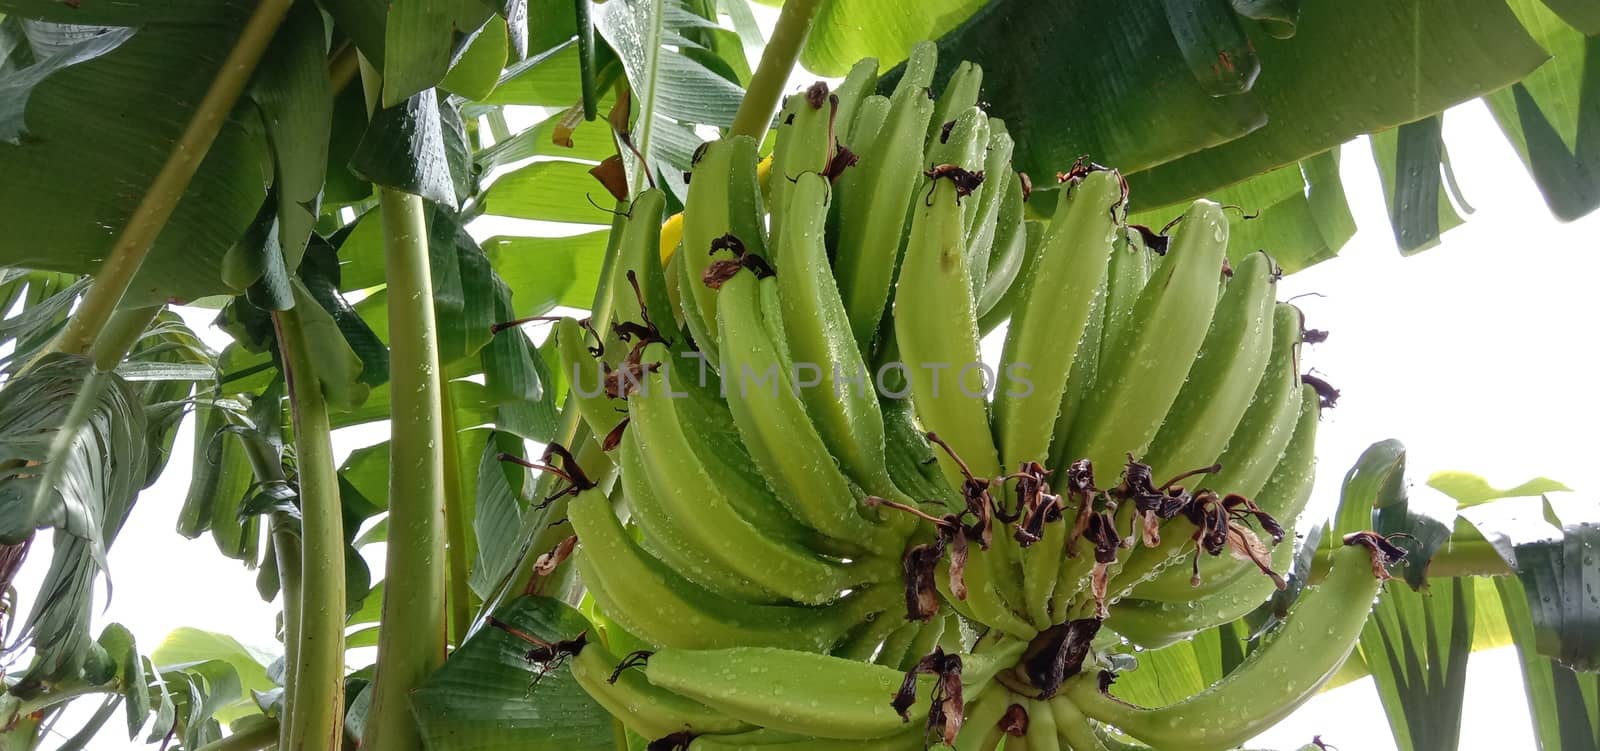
(872, 217)
(1135, 388)
(1317, 635)
(692, 496)
(842, 402)
(1154, 624)
(1225, 375)
(855, 89)
(984, 600)
(1262, 434)
(1050, 319)
(1041, 733)
(1284, 497)
(639, 263)
(663, 539)
(963, 145)
(984, 224)
(724, 199)
(1289, 490)
(1073, 728)
(1010, 245)
(1252, 456)
(981, 729)
(585, 379)
(960, 94)
(1130, 269)
(645, 708)
(662, 607)
(790, 690)
(936, 329)
(805, 144)
(911, 459)
(777, 431)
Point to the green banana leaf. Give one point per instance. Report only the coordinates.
(1552, 117)
(1416, 645)
(89, 137)
(671, 89)
(1564, 703)
(488, 696)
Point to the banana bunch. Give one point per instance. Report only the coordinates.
(835, 526)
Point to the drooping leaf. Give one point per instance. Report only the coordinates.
(591, 141)
(221, 477)
(476, 67)
(1417, 644)
(1561, 577)
(296, 100)
(1470, 490)
(1336, 79)
(1213, 44)
(82, 483)
(417, 41)
(1297, 213)
(847, 30)
(191, 646)
(1411, 162)
(1552, 117)
(321, 276)
(1079, 77)
(544, 272)
(553, 190)
(75, 44)
(668, 87)
(498, 512)
(120, 646)
(1566, 715)
(487, 696)
(200, 691)
(338, 367)
(404, 149)
(101, 129)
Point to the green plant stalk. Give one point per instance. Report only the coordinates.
(318, 713)
(412, 630)
(156, 205)
(772, 73)
(251, 740)
(267, 466)
(455, 525)
(286, 550)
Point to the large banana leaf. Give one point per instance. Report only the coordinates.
(1168, 91)
(96, 132)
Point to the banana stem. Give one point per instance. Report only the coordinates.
(267, 466)
(455, 525)
(318, 714)
(413, 629)
(254, 739)
(156, 205)
(772, 73)
(286, 551)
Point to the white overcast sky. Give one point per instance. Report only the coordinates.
(1472, 353)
